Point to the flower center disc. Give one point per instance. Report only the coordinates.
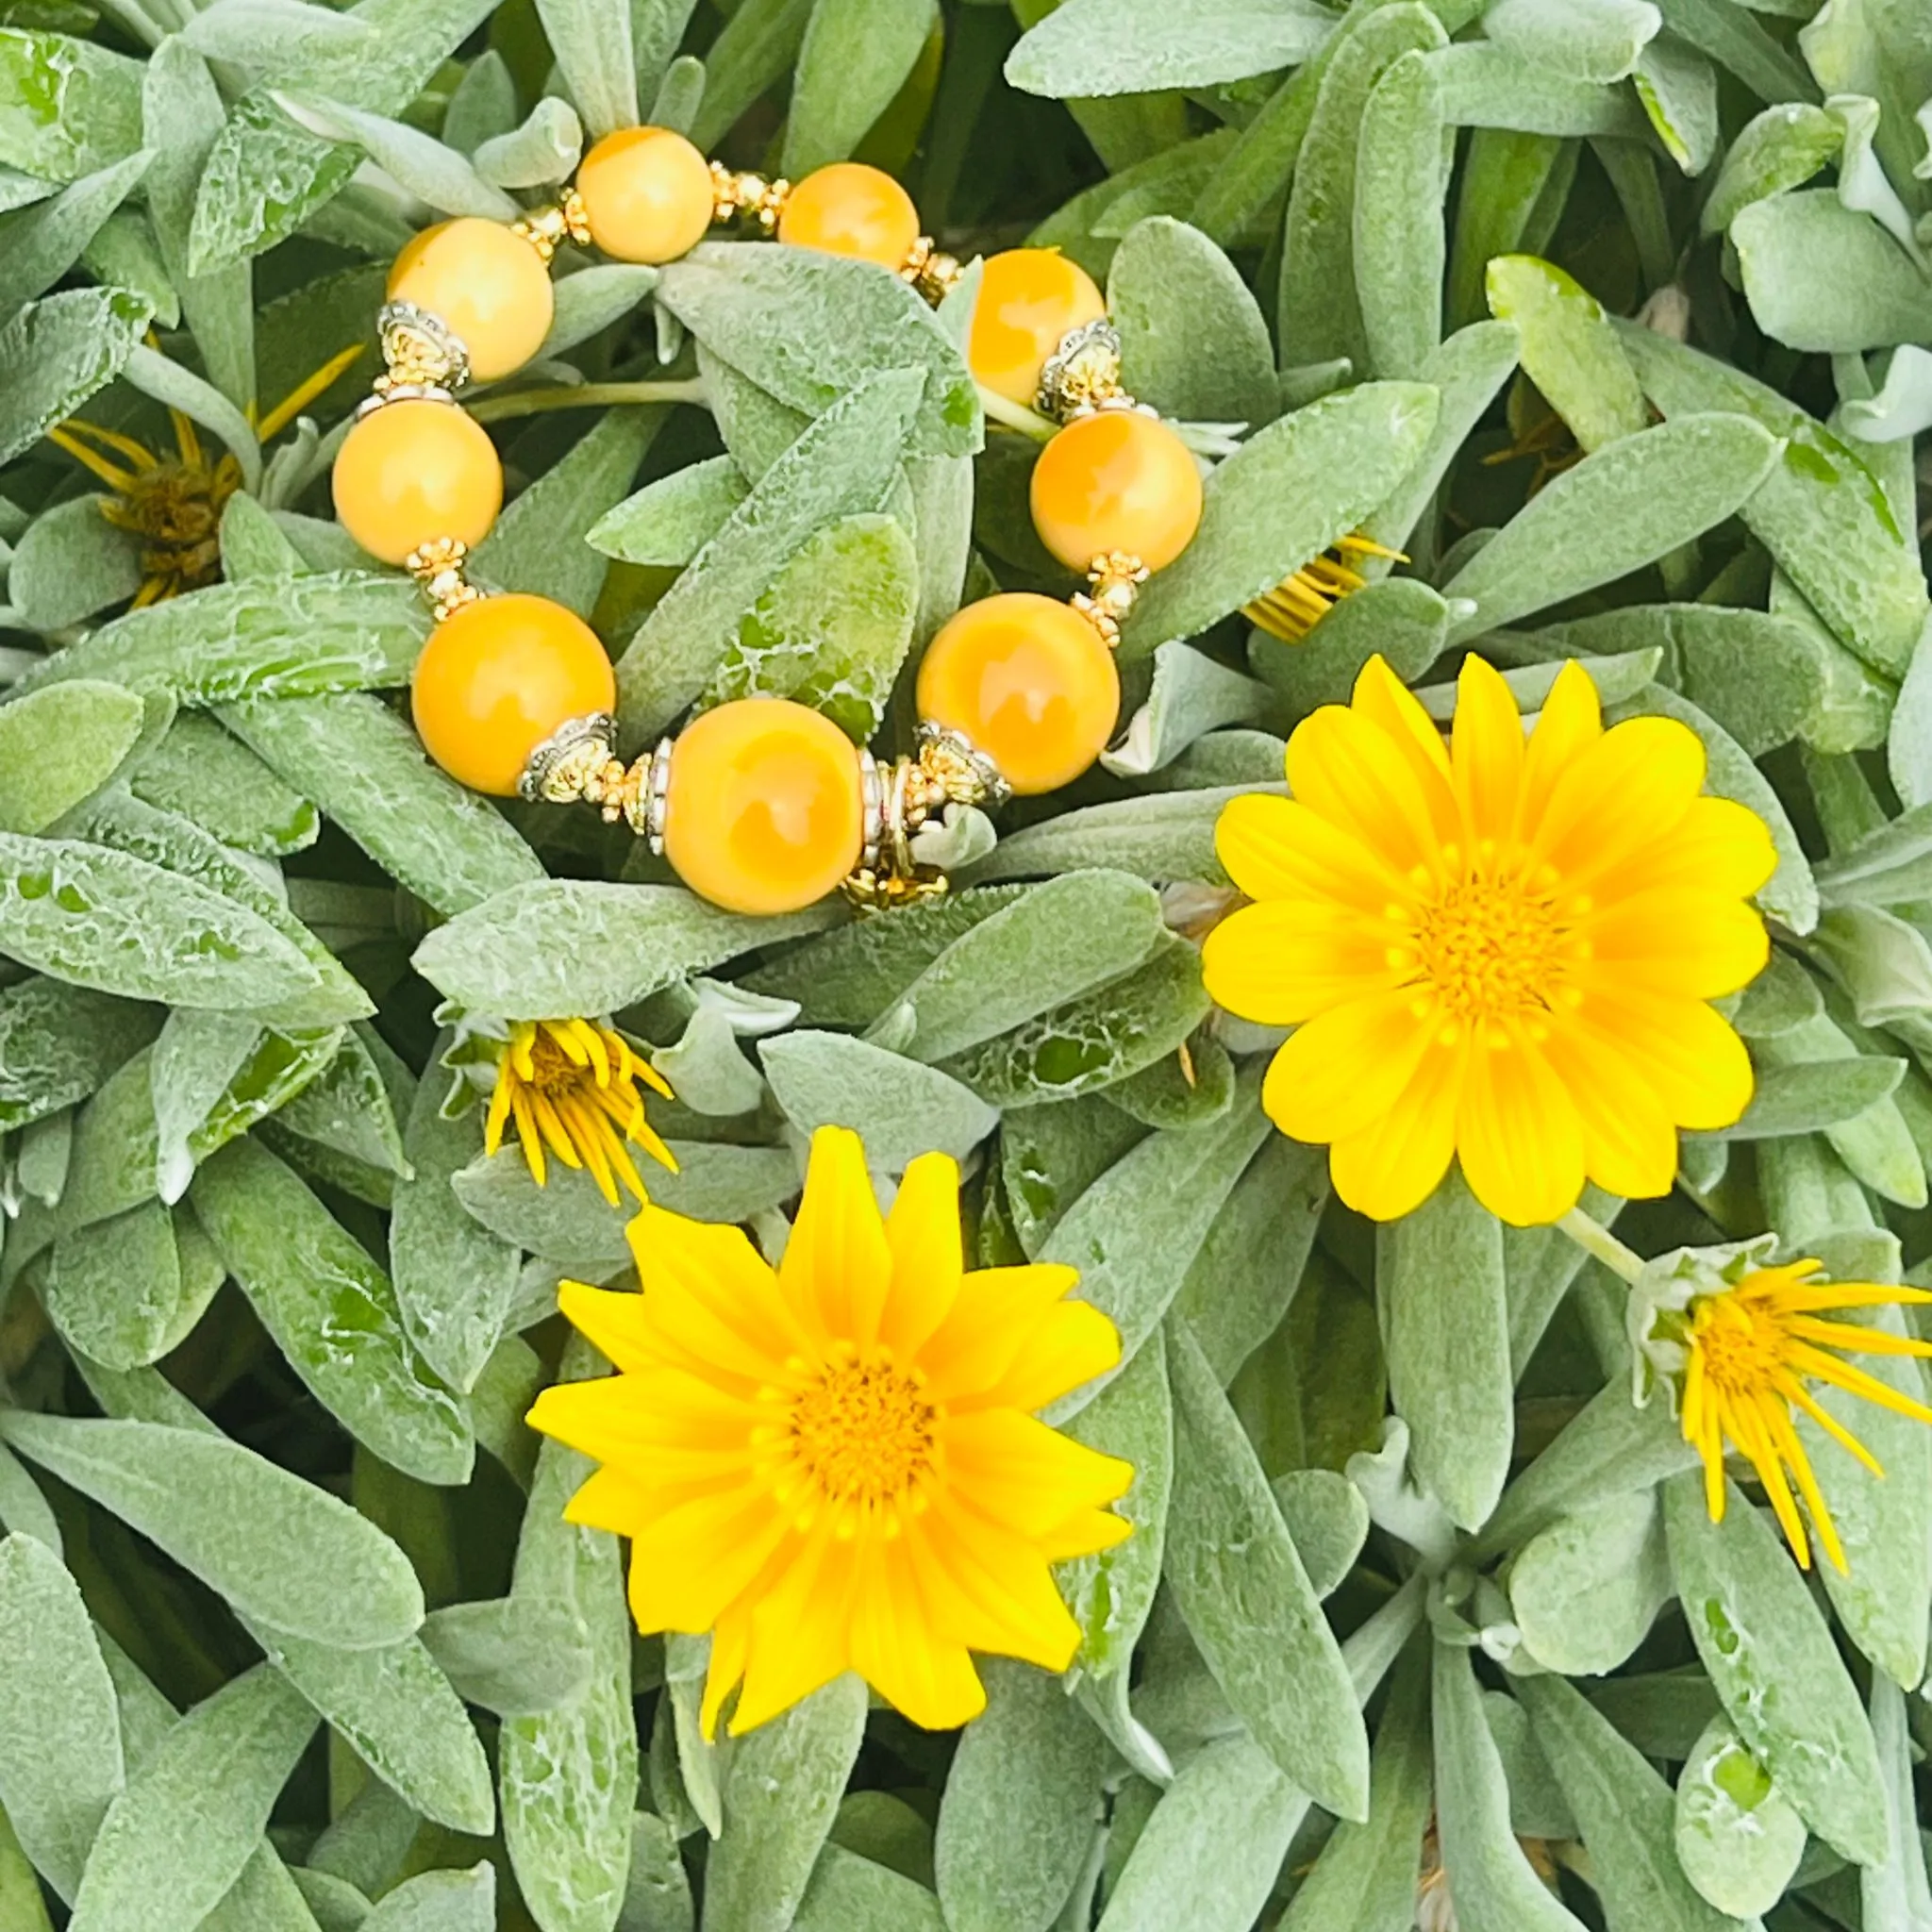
(1490, 948)
(864, 1432)
(552, 1069)
(1740, 1354)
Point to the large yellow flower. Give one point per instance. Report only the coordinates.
(835, 1466)
(1748, 1355)
(1502, 950)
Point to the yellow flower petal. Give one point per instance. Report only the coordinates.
(1285, 960)
(1629, 790)
(1347, 1068)
(1070, 1345)
(1279, 848)
(837, 1261)
(1630, 1144)
(1487, 751)
(1355, 775)
(1017, 1472)
(1569, 724)
(928, 1258)
(1518, 1136)
(1391, 1167)
(1675, 941)
(895, 1646)
(994, 1315)
(1687, 1054)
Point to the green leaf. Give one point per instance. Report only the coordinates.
(1782, 149)
(1808, 1095)
(1445, 1319)
(120, 925)
(1586, 1590)
(845, 463)
(1569, 350)
(591, 39)
(1821, 512)
(264, 176)
(200, 772)
(1210, 1855)
(848, 1893)
(1631, 503)
(283, 1551)
(537, 545)
(1819, 276)
(40, 245)
(1247, 1599)
(1364, 1881)
(71, 563)
(558, 947)
(810, 328)
(59, 745)
(114, 1289)
(1400, 619)
(1192, 694)
(1055, 942)
(60, 1763)
(1625, 1811)
(1135, 1232)
(1735, 1834)
(67, 107)
(178, 1837)
(1111, 1593)
(332, 1312)
(1586, 40)
(1400, 241)
(832, 629)
(1284, 497)
(1770, 1656)
(569, 1223)
(671, 520)
(855, 57)
(544, 150)
(269, 638)
(1488, 85)
(1019, 1804)
(1088, 48)
(901, 1107)
(569, 1775)
(440, 1902)
(1508, 180)
(1161, 838)
(453, 1280)
(57, 352)
(368, 772)
(516, 1656)
(1495, 1884)
(1677, 87)
(780, 1793)
(1193, 341)
(396, 1711)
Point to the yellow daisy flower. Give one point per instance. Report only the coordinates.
(1502, 950)
(835, 1466)
(1299, 602)
(572, 1086)
(1748, 1355)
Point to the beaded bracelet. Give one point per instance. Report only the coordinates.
(761, 805)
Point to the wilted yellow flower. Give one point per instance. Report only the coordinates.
(835, 1466)
(572, 1086)
(1749, 1352)
(1300, 601)
(1502, 950)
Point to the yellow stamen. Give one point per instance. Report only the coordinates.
(1295, 606)
(306, 392)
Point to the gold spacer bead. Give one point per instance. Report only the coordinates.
(1113, 581)
(547, 228)
(929, 270)
(735, 193)
(438, 566)
(422, 355)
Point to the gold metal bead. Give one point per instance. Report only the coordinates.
(902, 797)
(930, 271)
(1083, 375)
(438, 566)
(423, 357)
(752, 197)
(546, 230)
(1113, 581)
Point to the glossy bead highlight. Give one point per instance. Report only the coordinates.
(849, 208)
(499, 677)
(764, 812)
(411, 472)
(1028, 682)
(1029, 299)
(486, 284)
(1116, 480)
(647, 194)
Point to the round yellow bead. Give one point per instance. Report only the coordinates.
(647, 192)
(487, 285)
(496, 678)
(849, 208)
(1029, 299)
(764, 812)
(411, 472)
(1116, 480)
(1028, 682)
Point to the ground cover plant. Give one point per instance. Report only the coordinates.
(1462, 1223)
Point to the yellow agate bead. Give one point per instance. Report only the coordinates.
(411, 472)
(647, 194)
(1029, 298)
(1116, 481)
(849, 208)
(487, 285)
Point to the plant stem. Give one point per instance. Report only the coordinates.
(1594, 1238)
(586, 396)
